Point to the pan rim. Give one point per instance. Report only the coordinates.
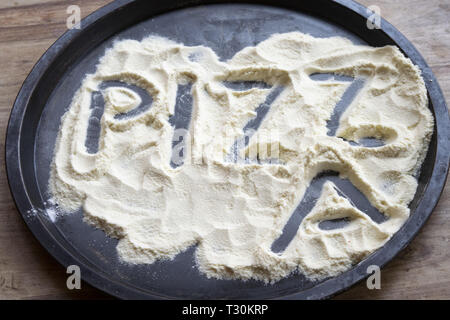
(322, 290)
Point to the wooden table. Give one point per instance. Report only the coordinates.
(27, 271)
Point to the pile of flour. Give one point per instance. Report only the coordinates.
(234, 211)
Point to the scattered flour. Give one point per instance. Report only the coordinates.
(234, 212)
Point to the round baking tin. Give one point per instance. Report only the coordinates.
(48, 89)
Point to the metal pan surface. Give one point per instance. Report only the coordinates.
(226, 28)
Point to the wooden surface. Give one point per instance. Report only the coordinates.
(27, 271)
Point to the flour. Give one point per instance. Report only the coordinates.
(234, 211)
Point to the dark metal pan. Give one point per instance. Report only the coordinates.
(48, 90)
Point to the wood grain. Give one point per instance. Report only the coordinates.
(27, 271)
